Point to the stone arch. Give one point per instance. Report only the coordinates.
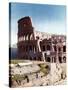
(59, 49)
(24, 37)
(64, 48)
(48, 47)
(31, 37)
(60, 59)
(48, 59)
(27, 37)
(64, 59)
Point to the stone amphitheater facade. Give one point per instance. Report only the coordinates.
(41, 46)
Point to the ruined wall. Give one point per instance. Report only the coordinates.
(35, 45)
(27, 45)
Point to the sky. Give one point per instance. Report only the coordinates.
(45, 18)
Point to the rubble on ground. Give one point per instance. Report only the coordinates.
(38, 75)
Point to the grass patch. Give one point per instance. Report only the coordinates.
(18, 77)
(44, 68)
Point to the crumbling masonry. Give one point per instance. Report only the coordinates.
(35, 45)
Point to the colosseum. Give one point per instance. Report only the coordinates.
(41, 46)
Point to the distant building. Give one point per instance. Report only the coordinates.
(35, 45)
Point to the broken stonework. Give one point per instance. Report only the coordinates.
(41, 76)
(58, 72)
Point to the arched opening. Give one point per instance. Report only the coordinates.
(60, 59)
(48, 47)
(43, 48)
(48, 59)
(55, 48)
(27, 78)
(59, 49)
(64, 59)
(29, 37)
(64, 48)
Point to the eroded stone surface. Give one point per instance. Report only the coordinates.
(37, 77)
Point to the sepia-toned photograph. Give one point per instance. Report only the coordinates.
(37, 45)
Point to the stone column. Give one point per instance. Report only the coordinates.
(39, 45)
(43, 57)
